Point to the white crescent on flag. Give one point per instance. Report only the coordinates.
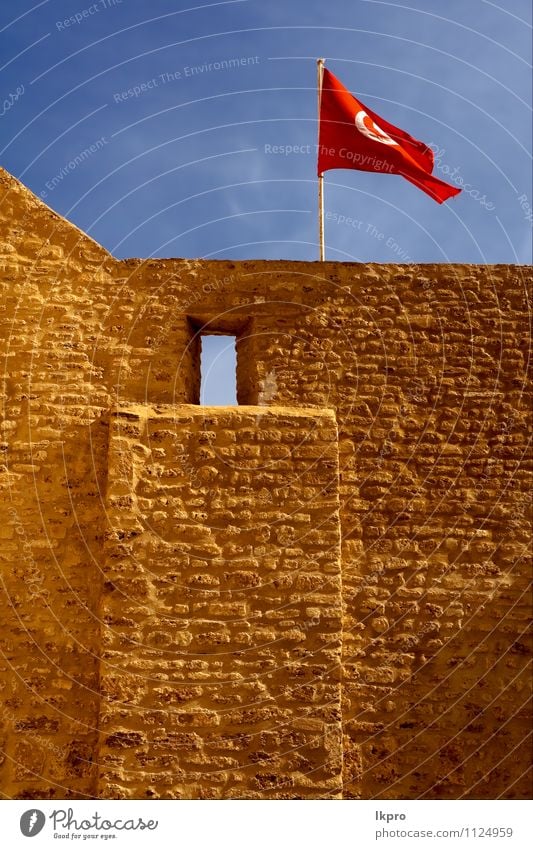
(370, 129)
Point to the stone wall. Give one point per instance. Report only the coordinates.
(221, 610)
(53, 287)
(424, 369)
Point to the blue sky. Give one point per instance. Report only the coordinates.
(184, 166)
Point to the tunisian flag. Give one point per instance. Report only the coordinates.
(352, 136)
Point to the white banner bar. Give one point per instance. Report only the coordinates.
(274, 825)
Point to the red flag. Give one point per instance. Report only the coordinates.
(352, 136)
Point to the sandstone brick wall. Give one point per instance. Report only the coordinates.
(424, 369)
(52, 294)
(221, 608)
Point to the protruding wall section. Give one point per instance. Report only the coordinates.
(221, 608)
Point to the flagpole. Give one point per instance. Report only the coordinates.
(320, 73)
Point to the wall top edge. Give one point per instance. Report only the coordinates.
(176, 412)
(193, 263)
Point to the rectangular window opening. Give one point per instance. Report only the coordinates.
(218, 370)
